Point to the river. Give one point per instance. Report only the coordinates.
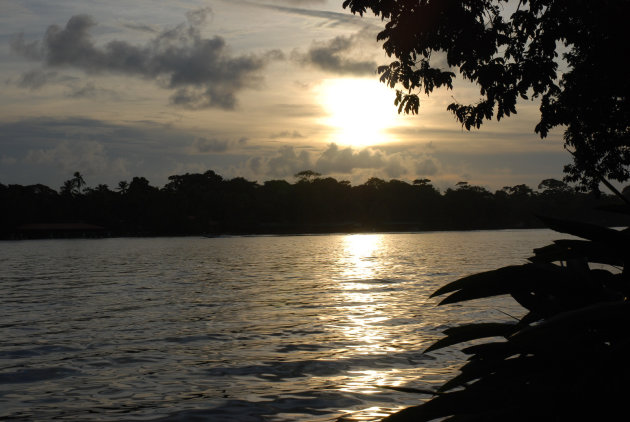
(262, 328)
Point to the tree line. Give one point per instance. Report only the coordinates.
(206, 203)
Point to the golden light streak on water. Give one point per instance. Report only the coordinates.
(358, 258)
(365, 306)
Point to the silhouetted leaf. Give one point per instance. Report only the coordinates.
(514, 367)
(471, 371)
(588, 231)
(469, 332)
(506, 280)
(568, 249)
(487, 277)
(559, 327)
(410, 390)
(618, 208)
(494, 350)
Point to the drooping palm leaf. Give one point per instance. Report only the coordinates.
(469, 332)
(611, 237)
(496, 282)
(569, 249)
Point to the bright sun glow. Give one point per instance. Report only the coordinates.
(360, 110)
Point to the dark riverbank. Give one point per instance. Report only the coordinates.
(206, 204)
(88, 231)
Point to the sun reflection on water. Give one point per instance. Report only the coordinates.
(364, 308)
(364, 311)
(370, 381)
(359, 257)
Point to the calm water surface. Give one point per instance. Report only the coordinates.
(238, 328)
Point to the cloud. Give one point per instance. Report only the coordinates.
(336, 56)
(205, 145)
(90, 90)
(426, 167)
(201, 71)
(285, 163)
(336, 160)
(395, 168)
(331, 18)
(141, 27)
(298, 110)
(49, 150)
(214, 145)
(31, 50)
(286, 134)
(68, 156)
(300, 1)
(36, 78)
(8, 160)
(254, 164)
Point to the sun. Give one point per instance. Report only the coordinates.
(359, 111)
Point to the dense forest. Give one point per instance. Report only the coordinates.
(208, 204)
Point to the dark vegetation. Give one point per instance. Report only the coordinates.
(562, 53)
(567, 358)
(208, 204)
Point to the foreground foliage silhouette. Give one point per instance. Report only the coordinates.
(566, 358)
(561, 52)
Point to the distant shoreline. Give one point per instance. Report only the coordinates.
(43, 235)
(207, 204)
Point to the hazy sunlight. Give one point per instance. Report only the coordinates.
(360, 110)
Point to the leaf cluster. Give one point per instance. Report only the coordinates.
(564, 53)
(566, 358)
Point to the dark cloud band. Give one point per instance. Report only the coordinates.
(200, 70)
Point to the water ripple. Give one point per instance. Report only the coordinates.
(234, 329)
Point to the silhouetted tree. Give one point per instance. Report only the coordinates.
(276, 202)
(558, 51)
(428, 204)
(101, 206)
(122, 187)
(142, 205)
(520, 191)
(478, 206)
(67, 189)
(194, 199)
(73, 186)
(306, 175)
(239, 205)
(77, 180)
(422, 182)
(553, 187)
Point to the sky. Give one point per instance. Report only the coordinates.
(257, 89)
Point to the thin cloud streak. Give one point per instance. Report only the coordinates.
(330, 18)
